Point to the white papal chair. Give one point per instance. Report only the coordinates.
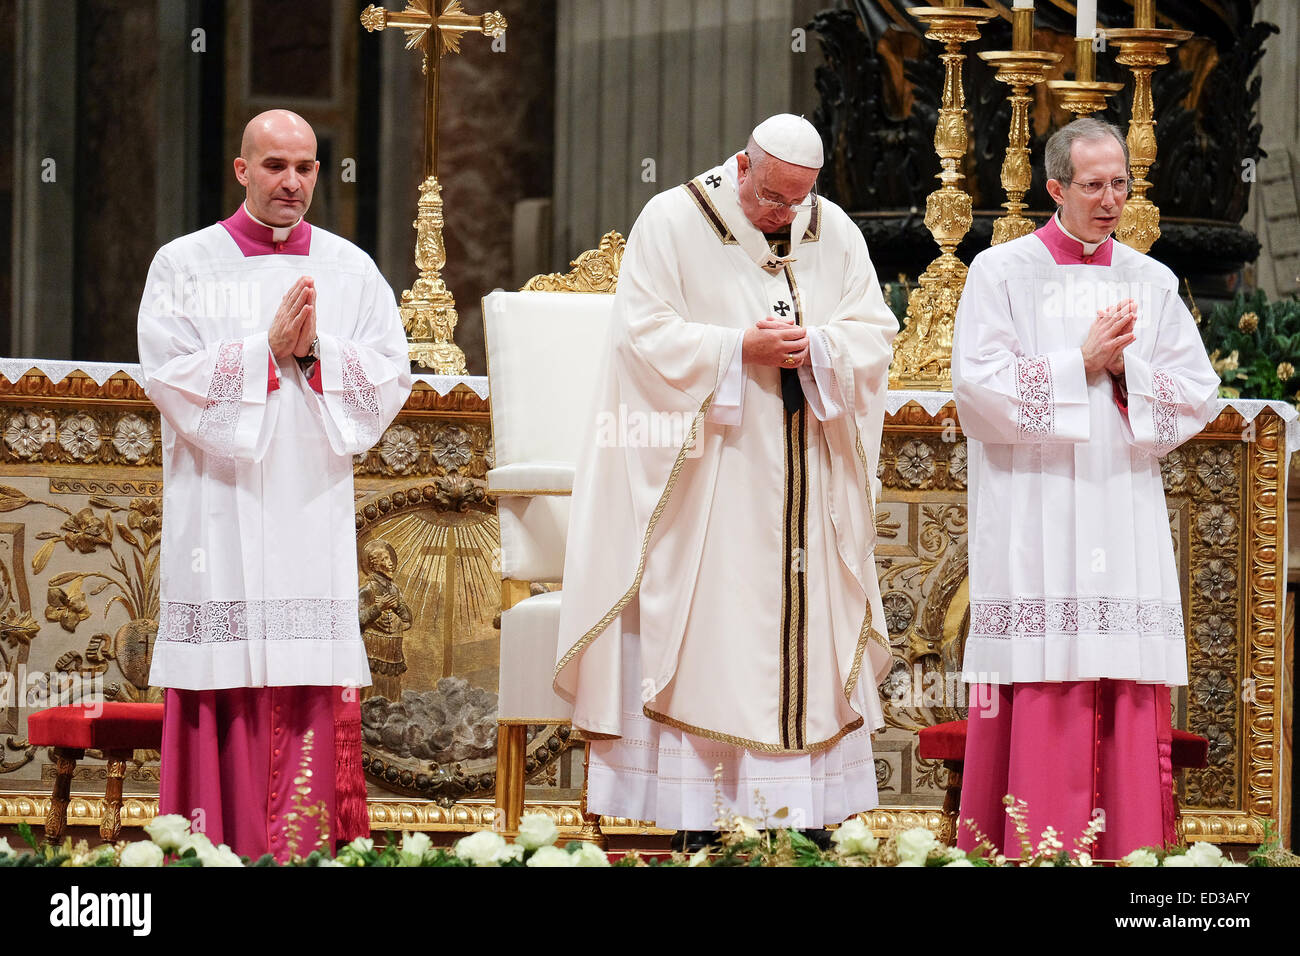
(544, 348)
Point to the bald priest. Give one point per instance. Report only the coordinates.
(275, 352)
(721, 604)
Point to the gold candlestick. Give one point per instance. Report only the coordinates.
(1019, 69)
(1083, 94)
(428, 309)
(923, 349)
(1142, 49)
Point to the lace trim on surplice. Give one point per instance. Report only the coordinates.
(360, 398)
(1164, 409)
(1037, 401)
(285, 619)
(1071, 617)
(220, 416)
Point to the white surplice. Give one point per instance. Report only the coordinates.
(1072, 572)
(721, 603)
(258, 569)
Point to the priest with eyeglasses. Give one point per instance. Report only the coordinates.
(1076, 367)
(722, 634)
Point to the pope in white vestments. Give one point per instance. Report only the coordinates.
(721, 604)
(1075, 367)
(275, 352)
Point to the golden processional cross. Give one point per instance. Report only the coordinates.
(428, 308)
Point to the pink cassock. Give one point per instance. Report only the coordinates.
(1069, 749)
(231, 759)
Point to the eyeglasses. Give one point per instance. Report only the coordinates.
(1121, 186)
(809, 201)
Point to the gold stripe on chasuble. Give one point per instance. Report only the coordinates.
(710, 211)
(794, 631)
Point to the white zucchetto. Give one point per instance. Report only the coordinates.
(791, 139)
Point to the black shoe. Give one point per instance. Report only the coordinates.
(692, 841)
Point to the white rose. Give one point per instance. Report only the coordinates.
(414, 847)
(362, 845)
(588, 854)
(914, 845)
(513, 851)
(962, 862)
(536, 830)
(142, 853)
(551, 856)
(700, 857)
(1083, 858)
(1205, 854)
(483, 848)
(198, 842)
(5, 848)
(1182, 859)
(854, 838)
(221, 855)
(330, 863)
(1140, 858)
(168, 830)
(208, 854)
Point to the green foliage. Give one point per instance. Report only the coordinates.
(1254, 345)
(896, 296)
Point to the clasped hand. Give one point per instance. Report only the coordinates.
(294, 327)
(1110, 334)
(776, 342)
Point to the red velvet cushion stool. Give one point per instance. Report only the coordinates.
(947, 742)
(116, 729)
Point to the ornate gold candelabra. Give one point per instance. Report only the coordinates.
(1083, 94)
(923, 349)
(1019, 69)
(1142, 49)
(428, 308)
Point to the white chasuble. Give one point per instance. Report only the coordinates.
(720, 597)
(1072, 571)
(258, 571)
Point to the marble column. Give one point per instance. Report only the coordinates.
(1274, 211)
(45, 178)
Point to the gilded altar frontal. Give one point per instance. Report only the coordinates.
(546, 190)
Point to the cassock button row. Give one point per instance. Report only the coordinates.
(274, 794)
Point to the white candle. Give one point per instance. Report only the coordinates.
(1086, 25)
(1023, 5)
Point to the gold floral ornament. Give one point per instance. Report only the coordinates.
(452, 448)
(26, 435)
(145, 515)
(1285, 372)
(596, 270)
(1248, 322)
(79, 436)
(68, 607)
(399, 448)
(133, 438)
